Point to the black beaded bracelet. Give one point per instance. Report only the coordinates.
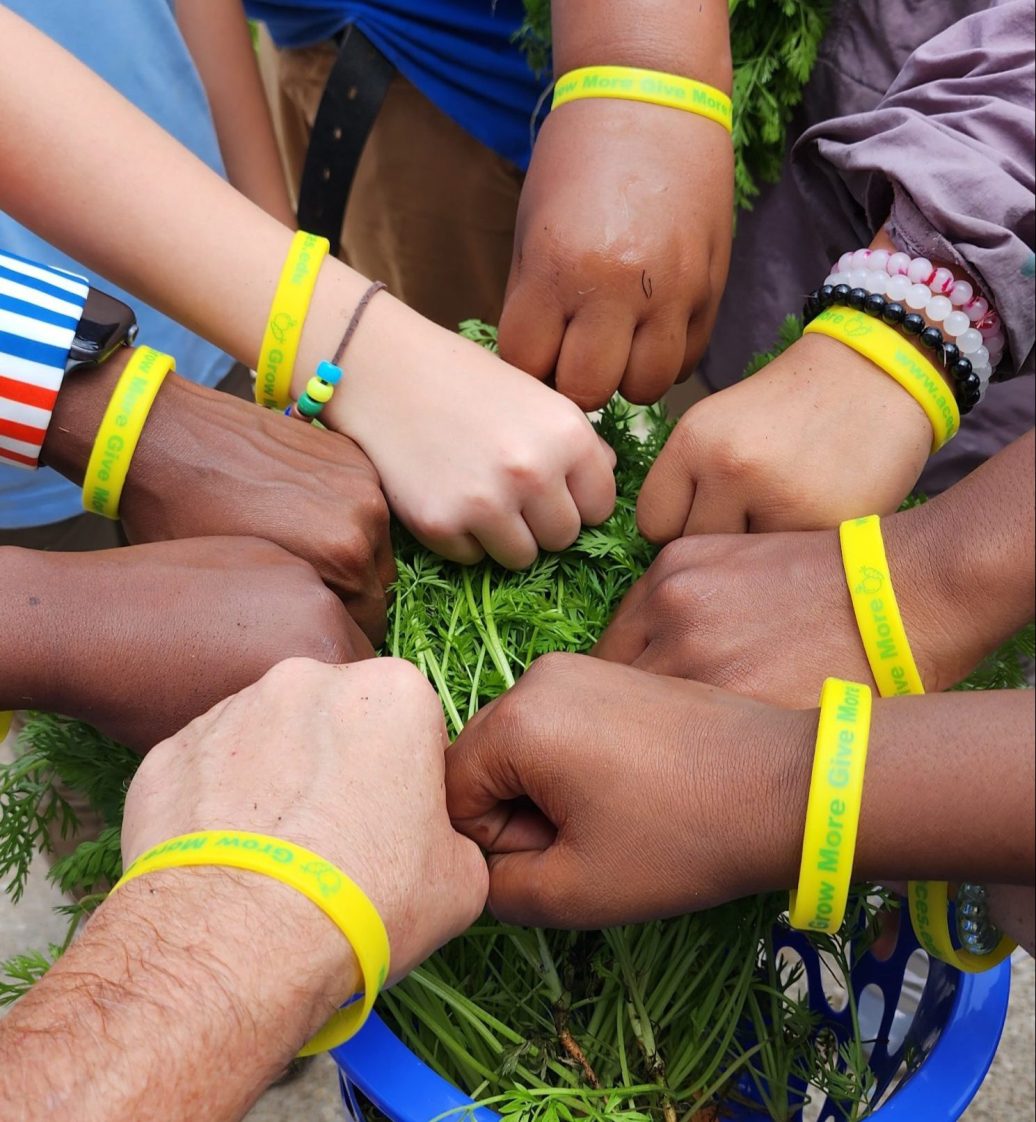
(967, 386)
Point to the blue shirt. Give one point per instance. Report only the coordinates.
(137, 48)
(459, 53)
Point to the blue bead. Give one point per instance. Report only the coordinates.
(328, 372)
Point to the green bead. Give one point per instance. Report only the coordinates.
(308, 407)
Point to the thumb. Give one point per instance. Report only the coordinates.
(535, 889)
(666, 497)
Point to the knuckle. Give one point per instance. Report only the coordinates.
(435, 523)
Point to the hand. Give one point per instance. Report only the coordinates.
(346, 761)
(475, 457)
(212, 464)
(146, 638)
(621, 250)
(605, 795)
(770, 616)
(818, 436)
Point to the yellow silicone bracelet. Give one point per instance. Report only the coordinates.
(895, 673)
(6, 717)
(885, 347)
(929, 911)
(877, 611)
(120, 430)
(287, 316)
(629, 83)
(341, 899)
(833, 810)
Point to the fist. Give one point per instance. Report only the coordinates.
(621, 250)
(820, 435)
(344, 760)
(604, 795)
(767, 615)
(212, 464)
(157, 634)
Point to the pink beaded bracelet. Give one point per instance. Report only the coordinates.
(945, 302)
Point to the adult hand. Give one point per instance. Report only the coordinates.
(211, 464)
(621, 250)
(818, 436)
(475, 457)
(770, 616)
(344, 760)
(605, 795)
(139, 641)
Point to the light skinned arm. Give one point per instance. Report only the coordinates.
(217, 35)
(191, 989)
(473, 456)
(769, 615)
(619, 264)
(713, 790)
(185, 996)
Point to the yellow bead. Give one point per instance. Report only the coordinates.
(319, 391)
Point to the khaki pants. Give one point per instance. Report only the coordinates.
(431, 211)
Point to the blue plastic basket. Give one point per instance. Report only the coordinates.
(951, 1039)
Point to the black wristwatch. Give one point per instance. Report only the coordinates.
(105, 325)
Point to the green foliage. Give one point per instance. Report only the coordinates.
(31, 808)
(774, 44)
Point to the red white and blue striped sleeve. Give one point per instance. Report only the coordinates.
(40, 309)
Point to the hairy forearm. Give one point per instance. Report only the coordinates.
(186, 994)
(948, 791)
(216, 32)
(690, 39)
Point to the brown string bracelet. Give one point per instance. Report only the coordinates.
(321, 387)
(357, 315)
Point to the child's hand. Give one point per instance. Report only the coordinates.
(621, 251)
(818, 436)
(474, 456)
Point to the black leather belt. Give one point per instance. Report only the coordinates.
(351, 100)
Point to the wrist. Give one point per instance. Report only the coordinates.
(36, 663)
(283, 964)
(691, 40)
(77, 416)
(939, 569)
(218, 979)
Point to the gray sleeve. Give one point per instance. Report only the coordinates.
(948, 154)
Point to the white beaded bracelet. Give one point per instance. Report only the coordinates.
(944, 301)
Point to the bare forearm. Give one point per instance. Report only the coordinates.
(183, 998)
(216, 32)
(963, 565)
(948, 791)
(159, 223)
(674, 36)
